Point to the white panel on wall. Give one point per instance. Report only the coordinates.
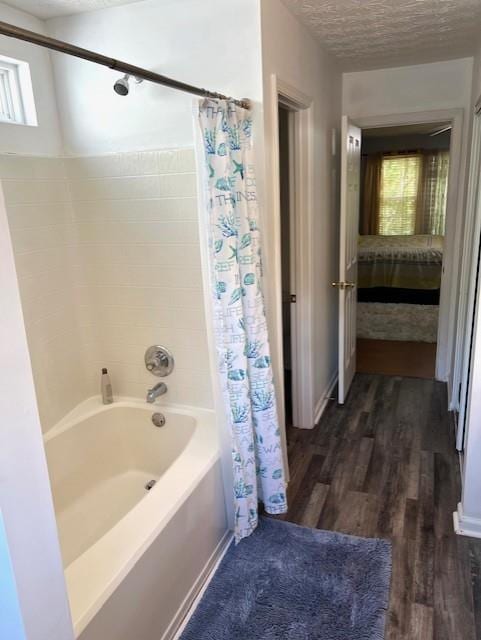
(108, 262)
(140, 275)
(41, 224)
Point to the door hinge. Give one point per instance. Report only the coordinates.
(293, 298)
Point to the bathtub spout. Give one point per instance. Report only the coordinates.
(156, 391)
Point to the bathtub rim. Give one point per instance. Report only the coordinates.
(93, 577)
(94, 405)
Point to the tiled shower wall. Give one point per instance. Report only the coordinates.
(139, 270)
(108, 259)
(42, 227)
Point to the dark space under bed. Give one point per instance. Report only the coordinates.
(397, 295)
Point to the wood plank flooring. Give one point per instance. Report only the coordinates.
(384, 465)
(396, 358)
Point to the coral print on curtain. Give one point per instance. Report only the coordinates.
(240, 324)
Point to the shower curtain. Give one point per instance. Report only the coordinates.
(240, 328)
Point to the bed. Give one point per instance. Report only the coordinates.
(399, 281)
(401, 262)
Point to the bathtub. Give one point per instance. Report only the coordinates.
(140, 514)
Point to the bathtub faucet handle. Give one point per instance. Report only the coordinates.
(159, 360)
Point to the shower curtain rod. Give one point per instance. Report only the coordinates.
(12, 31)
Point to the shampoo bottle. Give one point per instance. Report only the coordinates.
(106, 387)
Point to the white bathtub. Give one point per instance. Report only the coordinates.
(135, 558)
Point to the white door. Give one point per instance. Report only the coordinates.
(350, 183)
(470, 274)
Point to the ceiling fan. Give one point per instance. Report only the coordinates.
(442, 129)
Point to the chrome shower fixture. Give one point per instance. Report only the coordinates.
(121, 85)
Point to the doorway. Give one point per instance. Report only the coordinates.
(403, 197)
(406, 199)
(291, 260)
(288, 253)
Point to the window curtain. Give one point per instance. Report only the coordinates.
(371, 192)
(432, 193)
(230, 211)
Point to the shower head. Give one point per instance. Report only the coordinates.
(121, 85)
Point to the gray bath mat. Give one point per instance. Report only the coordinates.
(287, 582)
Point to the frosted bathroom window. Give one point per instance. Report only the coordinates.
(16, 94)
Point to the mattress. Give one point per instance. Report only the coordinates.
(408, 262)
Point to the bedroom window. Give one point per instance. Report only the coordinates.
(399, 193)
(413, 190)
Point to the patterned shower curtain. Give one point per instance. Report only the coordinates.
(240, 327)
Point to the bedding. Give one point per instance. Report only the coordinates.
(407, 262)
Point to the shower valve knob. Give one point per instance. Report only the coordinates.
(159, 361)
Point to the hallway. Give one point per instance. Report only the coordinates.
(385, 465)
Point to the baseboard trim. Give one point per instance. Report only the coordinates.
(465, 525)
(192, 599)
(324, 399)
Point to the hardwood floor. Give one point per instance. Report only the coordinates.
(384, 465)
(396, 358)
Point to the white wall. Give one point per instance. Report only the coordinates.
(25, 498)
(11, 624)
(139, 273)
(424, 87)
(476, 84)
(289, 50)
(43, 139)
(198, 42)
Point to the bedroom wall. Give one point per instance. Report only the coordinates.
(306, 67)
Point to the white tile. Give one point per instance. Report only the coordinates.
(46, 259)
(113, 165)
(37, 215)
(31, 168)
(35, 191)
(145, 297)
(176, 161)
(116, 188)
(41, 238)
(137, 210)
(114, 273)
(178, 184)
(166, 255)
(138, 233)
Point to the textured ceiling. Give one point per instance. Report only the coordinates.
(380, 33)
(50, 8)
